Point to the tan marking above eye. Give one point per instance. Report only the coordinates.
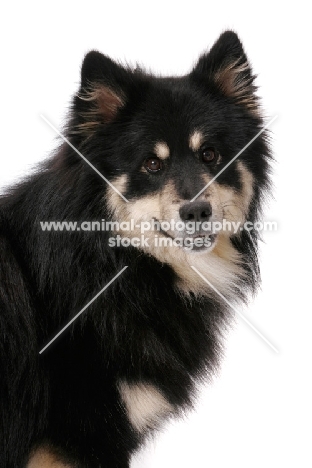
(196, 140)
(162, 150)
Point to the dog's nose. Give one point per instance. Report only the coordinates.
(195, 211)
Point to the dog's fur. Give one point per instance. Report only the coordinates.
(133, 358)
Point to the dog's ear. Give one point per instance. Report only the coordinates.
(102, 91)
(227, 66)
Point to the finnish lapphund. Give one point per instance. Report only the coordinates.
(105, 333)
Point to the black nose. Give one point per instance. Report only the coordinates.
(195, 211)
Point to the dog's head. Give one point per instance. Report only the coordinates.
(169, 148)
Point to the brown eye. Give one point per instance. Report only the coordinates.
(208, 155)
(153, 164)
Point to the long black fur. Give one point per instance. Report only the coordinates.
(140, 328)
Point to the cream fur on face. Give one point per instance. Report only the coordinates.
(220, 265)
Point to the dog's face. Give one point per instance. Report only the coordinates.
(179, 144)
(166, 145)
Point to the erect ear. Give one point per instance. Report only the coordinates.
(102, 91)
(226, 65)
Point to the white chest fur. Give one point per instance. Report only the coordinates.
(145, 405)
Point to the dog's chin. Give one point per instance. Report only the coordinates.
(194, 244)
(200, 244)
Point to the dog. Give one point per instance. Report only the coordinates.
(105, 333)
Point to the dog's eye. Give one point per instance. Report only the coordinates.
(208, 155)
(153, 164)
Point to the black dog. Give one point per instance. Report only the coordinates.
(133, 356)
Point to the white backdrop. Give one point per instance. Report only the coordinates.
(257, 411)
